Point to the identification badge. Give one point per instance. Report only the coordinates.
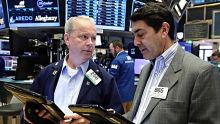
(160, 92)
(93, 77)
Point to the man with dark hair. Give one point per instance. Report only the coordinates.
(216, 56)
(215, 59)
(176, 87)
(122, 68)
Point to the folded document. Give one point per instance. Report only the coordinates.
(36, 100)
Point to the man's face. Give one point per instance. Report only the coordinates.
(149, 42)
(216, 59)
(81, 41)
(112, 50)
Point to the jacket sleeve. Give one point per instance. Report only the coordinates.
(114, 98)
(114, 68)
(205, 98)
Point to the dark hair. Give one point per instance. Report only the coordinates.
(154, 14)
(117, 43)
(216, 53)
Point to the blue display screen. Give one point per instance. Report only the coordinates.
(139, 64)
(33, 13)
(186, 46)
(2, 18)
(198, 2)
(10, 62)
(108, 14)
(135, 5)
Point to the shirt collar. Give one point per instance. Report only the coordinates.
(167, 55)
(84, 66)
(120, 52)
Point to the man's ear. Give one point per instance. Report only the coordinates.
(165, 29)
(66, 39)
(116, 48)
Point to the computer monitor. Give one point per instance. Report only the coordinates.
(186, 46)
(33, 13)
(28, 40)
(109, 14)
(4, 47)
(2, 16)
(10, 62)
(18, 43)
(201, 2)
(29, 66)
(136, 4)
(215, 24)
(139, 64)
(195, 14)
(98, 40)
(134, 51)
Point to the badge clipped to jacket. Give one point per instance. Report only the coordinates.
(93, 77)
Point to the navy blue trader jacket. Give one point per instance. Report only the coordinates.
(122, 68)
(104, 94)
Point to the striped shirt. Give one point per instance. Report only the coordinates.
(161, 65)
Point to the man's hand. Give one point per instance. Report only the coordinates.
(31, 114)
(74, 119)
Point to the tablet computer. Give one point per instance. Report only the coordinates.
(25, 96)
(98, 114)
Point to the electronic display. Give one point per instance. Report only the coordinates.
(199, 2)
(195, 14)
(26, 41)
(10, 63)
(215, 24)
(4, 47)
(201, 28)
(210, 9)
(186, 46)
(136, 5)
(108, 14)
(33, 13)
(139, 64)
(98, 40)
(2, 18)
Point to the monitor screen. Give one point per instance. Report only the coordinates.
(134, 51)
(4, 47)
(33, 13)
(27, 41)
(18, 42)
(186, 46)
(136, 5)
(109, 14)
(10, 63)
(195, 13)
(210, 9)
(199, 2)
(29, 66)
(139, 64)
(2, 17)
(98, 40)
(215, 24)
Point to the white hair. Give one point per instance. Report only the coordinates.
(69, 26)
